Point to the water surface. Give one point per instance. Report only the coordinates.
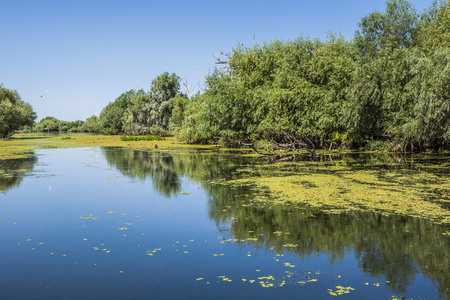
(111, 223)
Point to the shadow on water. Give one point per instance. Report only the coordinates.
(12, 171)
(396, 247)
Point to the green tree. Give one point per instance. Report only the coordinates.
(151, 112)
(14, 112)
(179, 111)
(275, 90)
(76, 126)
(165, 86)
(112, 116)
(434, 26)
(395, 28)
(48, 124)
(92, 124)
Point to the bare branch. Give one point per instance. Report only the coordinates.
(224, 53)
(187, 88)
(201, 87)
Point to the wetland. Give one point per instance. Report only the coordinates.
(93, 217)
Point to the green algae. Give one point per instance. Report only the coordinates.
(418, 190)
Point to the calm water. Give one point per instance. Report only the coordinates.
(93, 223)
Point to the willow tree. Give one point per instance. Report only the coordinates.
(14, 112)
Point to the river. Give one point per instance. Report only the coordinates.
(113, 223)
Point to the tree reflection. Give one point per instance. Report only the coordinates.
(391, 246)
(166, 170)
(395, 247)
(12, 171)
(141, 165)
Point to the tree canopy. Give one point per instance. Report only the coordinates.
(390, 83)
(14, 112)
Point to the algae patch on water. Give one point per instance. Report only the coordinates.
(419, 191)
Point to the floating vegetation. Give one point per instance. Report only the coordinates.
(340, 290)
(152, 252)
(423, 191)
(89, 217)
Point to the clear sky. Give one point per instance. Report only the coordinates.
(81, 55)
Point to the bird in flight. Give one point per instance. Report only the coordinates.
(47, 91)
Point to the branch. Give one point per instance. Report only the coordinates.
(252, 145)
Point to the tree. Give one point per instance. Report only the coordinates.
(14, 113)
(112, 116)
(275, 91)
(150, 112)
(91, 124)
(395, 28)
(434, 26)
(48, 124)
(165, 86)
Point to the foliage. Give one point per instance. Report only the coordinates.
(51, 124)
(14, 112)
(48, 124)
(111, 117)
(150, 112)
(92, 124)
(394, 29)
(390, 83)
(295, 86)
(434, 26)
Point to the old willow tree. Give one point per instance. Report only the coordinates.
(284, 92)
(14, 113)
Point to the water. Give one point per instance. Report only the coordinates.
(110, 223)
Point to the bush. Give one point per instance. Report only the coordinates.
(141, 138)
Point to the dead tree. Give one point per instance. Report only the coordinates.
(288, 143)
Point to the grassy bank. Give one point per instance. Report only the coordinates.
(22, 145)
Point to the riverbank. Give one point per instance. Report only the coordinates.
(22, 145)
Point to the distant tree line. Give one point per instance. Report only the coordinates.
(387, 88)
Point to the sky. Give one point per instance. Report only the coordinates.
(69, 58)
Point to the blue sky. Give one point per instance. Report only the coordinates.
(81, 55)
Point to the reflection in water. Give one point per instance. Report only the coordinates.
(395, 247)
(166, 170)
(12, 171)
(140, 164)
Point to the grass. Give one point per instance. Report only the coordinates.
(22, 145)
